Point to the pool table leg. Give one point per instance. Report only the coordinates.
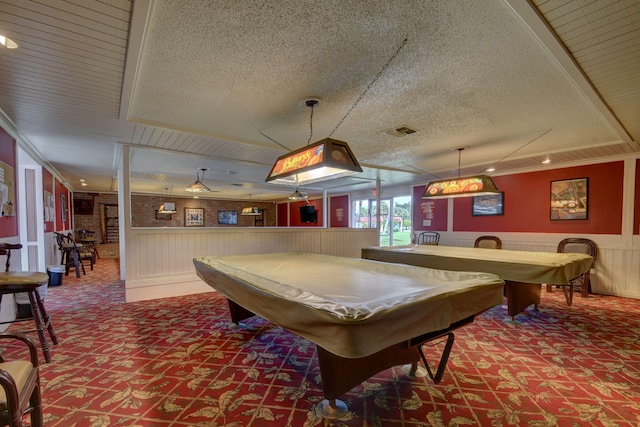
(520, 296)
(341, 374)
(238, 313)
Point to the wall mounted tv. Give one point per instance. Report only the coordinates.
(308, 213)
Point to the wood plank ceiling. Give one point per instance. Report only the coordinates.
(221, 85)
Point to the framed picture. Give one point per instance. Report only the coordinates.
(63, 207)
(228, 217)
(492, 204)
(83, 206)
(569, 199)
(193, 217)
(163, 216)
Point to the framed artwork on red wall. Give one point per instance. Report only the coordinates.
(569, 199)
(63, 207)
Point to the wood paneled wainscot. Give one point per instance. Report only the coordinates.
(159, 261)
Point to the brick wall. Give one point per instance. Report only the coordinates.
(144, 211)
(94, 222)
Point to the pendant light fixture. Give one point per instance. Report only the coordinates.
(251, 210)
(297, 195)
(320, 161)
(167, 207)
(476, 185)
(198, 186)
(325, 159)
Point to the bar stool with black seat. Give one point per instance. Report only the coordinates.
(14, 282)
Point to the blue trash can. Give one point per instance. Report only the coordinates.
(55, 274)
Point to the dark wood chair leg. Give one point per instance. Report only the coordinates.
(76, 264)
(586, 285)
(46, 319)
(37, 419)
(37, 317)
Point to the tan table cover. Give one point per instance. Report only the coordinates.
(351, 307)
(517, 266)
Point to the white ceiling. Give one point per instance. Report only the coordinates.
(222, 84)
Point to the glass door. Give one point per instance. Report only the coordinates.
(395, 229)
(386, 228)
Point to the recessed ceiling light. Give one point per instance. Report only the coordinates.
(491, 169)
(7, 42)
(546, 161)
(84, 184)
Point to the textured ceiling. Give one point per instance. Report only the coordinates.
(221, 84)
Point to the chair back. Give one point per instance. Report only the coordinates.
(60, 238)
(84, 234)
(428, 238)
(20, 385)
(488, 242)
(5, 249)
(578, 245)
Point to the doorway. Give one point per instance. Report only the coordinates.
(395, 218)
(110, 231)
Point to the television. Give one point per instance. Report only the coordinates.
(308, 213)
(228, 217)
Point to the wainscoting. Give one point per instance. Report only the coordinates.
(159, 261)
(616, 270)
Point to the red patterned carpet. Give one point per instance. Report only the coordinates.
(176, 362)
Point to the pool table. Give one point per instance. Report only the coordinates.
(524, 272)
(364, 316)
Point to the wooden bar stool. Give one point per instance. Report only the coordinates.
(14, 282)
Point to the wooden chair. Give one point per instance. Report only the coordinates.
(84, 252)
(87, 238)
(489, 242)
(14, 282)
(428, 238)
(20, 386)
(70, 257)
(581, 246)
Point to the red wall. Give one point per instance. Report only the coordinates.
(435, 210)
(527, 203)
(9, 224)
(294, 213)
(60, 190)
(47, 185)
(339, 211)
(636, 216)
(283, 218)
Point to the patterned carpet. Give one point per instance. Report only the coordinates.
(176, 362)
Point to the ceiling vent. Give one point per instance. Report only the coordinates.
(401, 131)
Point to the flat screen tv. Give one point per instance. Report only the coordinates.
(228, 217)
(308, 214)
